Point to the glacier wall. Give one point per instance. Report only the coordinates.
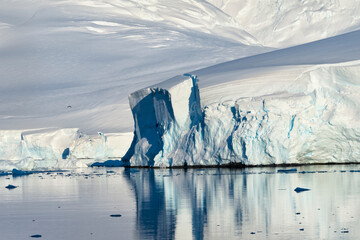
(317, 120)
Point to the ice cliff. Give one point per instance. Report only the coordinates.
(316, 120)
(310, 118)
(165, 118)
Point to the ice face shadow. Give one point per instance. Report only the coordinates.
(241, 203)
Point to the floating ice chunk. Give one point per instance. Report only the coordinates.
(10, 187)
(292, 170)
(299, 189)
(36, 236)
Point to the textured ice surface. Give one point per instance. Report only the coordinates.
(316, 120)
(163, 118)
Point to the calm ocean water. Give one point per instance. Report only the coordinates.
(252, 203)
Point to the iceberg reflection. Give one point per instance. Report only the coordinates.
(254, 203)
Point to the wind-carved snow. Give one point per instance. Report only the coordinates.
(315, 121)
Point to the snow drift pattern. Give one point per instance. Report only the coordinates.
(315, 121)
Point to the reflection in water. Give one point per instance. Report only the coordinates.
(153, 218)
(183, 204)
(248, 204)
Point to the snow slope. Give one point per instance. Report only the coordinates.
(291, 106)
(283, 23)
(91, 55)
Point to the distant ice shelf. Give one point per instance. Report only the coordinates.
(53, 149)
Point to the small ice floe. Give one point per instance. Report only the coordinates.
(299, 189)
(303, 172)
(10, 187)
(36, 236)
(292, 170)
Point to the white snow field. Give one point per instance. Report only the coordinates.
(67, 67)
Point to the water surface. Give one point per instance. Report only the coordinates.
(253, 203)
